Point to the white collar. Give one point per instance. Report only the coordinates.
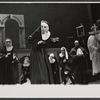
(9, 48)
(27, 64)
(45, 36)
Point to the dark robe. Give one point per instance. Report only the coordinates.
(26, 73)
(79, 65)
(55, 70)
(6, 67)
(40, 68)
(64, 67)
(16, 70)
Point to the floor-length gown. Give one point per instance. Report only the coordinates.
(6, 67)
(79, 66)
(55, 70)
(40, 68)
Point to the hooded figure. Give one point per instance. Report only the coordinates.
(65, 67)
(40, 68)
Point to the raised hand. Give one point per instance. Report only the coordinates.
(56, 38)
(7, 55)
(30, 36)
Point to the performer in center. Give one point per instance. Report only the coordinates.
(40, 68)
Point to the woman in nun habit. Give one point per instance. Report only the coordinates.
(40, 68)
(6, 63)
(64, 63)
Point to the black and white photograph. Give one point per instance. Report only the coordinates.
(51, 43)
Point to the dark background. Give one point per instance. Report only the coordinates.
(62, 17)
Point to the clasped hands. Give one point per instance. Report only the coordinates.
(7, 55)
(55, 39)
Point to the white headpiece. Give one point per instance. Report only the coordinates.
(51, 55)
(76, 41)
(45, 30)
(66, 52)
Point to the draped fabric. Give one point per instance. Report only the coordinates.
(64, 66)
(79, 51)
(79, 65)
(94, 54)
(55, 71)
(26, 73)
(40, 68)
(6, 67)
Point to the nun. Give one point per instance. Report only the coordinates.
(6, 63)
(40, 68)
(64, 64)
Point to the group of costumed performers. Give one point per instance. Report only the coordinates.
(41, 68)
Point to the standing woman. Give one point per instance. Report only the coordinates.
(40, 68)
(6, 66)
(93, 44)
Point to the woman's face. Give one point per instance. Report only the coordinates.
(8, 43)
(44, 27)
(26, 60)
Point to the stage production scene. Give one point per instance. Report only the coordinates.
(49, 43)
